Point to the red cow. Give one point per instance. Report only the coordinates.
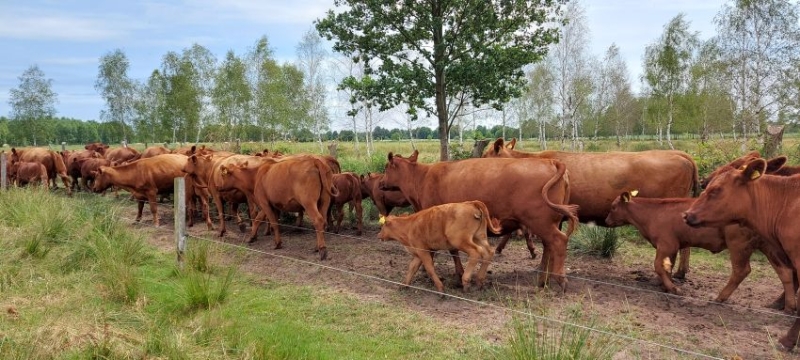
(153, 151)
(53, 162)
(98, 147)
(205, 172)
(349, 187)
(384, 200)
(88, 170)
(660, 221)
(596, 179)
(520, 192)
(74, 161)
(294, 184)
(144, 179)
(767, 204)
(454, 226)
(22, 173)
(121, 155)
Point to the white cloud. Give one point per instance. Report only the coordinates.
(35, 24)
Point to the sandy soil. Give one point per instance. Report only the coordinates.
(622, 295)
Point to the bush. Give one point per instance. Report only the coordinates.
(596, 241)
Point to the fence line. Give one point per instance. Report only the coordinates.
(537, 271)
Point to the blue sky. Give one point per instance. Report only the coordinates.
(66, 38)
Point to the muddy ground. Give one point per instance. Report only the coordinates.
(621, 295)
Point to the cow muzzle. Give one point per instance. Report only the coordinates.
(691, 219)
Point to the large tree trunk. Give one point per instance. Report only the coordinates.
(477, 148)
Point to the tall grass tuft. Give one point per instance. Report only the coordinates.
(204, 291)
(596, 241)
(532, 338)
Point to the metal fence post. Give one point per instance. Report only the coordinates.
(3, 171)
(180, 218)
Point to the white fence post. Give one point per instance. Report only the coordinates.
(3, 171)
(180, 217)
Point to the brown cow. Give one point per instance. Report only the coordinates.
(121, 155)
(520, 192)
(384, 200)
(205, 172)
(98, 147)
(144, 179)
(294, 184)
(53, 162)
(596, 179)
(22, 173)
(349, 187)
(660, 221)
(88, 170)
(454, 226)
(767, 204)
(153, 151)
(74, 161)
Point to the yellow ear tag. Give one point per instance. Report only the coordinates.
(755, 175)
(634, 193)
(382, 220)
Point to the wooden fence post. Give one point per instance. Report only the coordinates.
(3, 171)
(63, 146)
(180, 218)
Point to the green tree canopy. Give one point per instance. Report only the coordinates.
(33, 103)
(450, 51)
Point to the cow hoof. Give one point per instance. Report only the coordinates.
(242, 227)
(680, 275)
(358, 233)
(786, 344)
(278, 246)
(222, 233)
(323, 253)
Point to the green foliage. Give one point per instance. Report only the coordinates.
(536, 338)
(713, 154)
(116, 88)
(203, 291)
(32, 104)
(596, 241)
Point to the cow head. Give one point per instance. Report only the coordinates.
(397, 168)
(230, 175)
(726, 200)
(619, 209)
(102, 179)
(500, 148)
(388, 231)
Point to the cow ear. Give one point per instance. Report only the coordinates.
(223, 170)
(512, 144)
(775, 164)
(414, 155)
(391, 155)
(498, 144)
(626, 197)
(754, 169)
(193, 149)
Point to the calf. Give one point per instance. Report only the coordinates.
(299, 183)
(453, 226)
(767, 204)
(23, 173)
(349, 187)
(384, 200)
(88, 168)
(660, 221)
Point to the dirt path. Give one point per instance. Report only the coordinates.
(622, 296)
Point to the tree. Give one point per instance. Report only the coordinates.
(439, 49)
(203, 65)
(620, 94)
(33, 102)
(116, 88)
(570, 73)
(760, 42)
(539, 100)
(182, 95)
(667, 64)
(231, 96)
(311, 60)
(149, 108)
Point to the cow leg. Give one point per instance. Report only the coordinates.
(413, 267)
(273, 222)
(152, 198)
(683, 264)
(554, 250)
(319, 225)
(65, 180)
(502, 243)
(220, 212)
(339, 217)
(740, 268)
(663, 267)
(788, 300)
(140, 205)
(427, 262)
(475, 254)
(529, 242)
(299, 222)
(457, 263)
(359, 218)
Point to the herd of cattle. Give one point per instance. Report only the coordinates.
(749, 204)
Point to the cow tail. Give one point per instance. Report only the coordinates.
(326, 176)
(568, 210)
(492, 224)
(58, 162)
(356, 183)
(696, 190)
